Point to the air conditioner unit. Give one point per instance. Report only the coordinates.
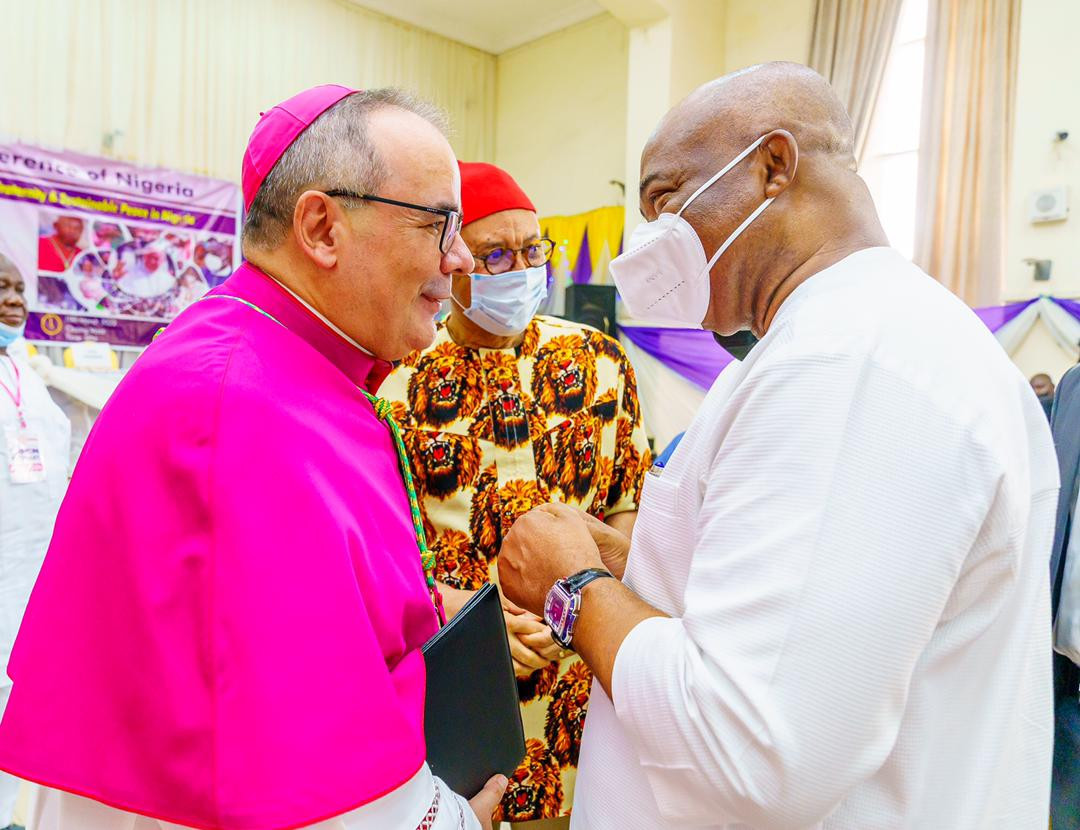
(1050, 205)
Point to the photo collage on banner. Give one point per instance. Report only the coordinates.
(109, 251)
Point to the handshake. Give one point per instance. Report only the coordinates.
(546, 544)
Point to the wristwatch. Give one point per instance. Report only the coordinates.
(564, 602)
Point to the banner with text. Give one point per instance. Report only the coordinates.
(111, 251)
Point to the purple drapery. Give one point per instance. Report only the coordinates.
(994, 317)
(582, 272)
(696, 356)
(1071, 306)
(690, 352)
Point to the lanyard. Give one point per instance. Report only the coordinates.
(383, 412)
(16, 396)
(427, 556)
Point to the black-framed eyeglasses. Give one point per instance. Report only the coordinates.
(450, 227)
(501, 260)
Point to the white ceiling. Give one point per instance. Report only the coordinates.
(492, 25)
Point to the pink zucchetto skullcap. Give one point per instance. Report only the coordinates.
(279, 128)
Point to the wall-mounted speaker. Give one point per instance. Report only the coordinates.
(593, 305)
(1050, 205)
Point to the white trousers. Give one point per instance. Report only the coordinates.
(424, 803)
(9, 793)
(9, 784)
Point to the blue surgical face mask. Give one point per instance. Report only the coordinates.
(504, 304)
(9, 334)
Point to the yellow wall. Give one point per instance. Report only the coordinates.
(553, 112)
(184, 82)
(1040, 352)
(697, 41)
(1047, 100)
(560, 124)
(651, 70)
(757, 32)
(562, 101)
(698, 29)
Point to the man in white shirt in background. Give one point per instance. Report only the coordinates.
(835, 609)
(35, 439)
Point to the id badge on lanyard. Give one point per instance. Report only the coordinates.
(26, 463)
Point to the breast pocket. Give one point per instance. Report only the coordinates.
(663, 545)
(660, 493)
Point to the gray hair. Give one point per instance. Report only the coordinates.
(336, 151)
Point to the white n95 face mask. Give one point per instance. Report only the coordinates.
(664, 274)
(504, 304)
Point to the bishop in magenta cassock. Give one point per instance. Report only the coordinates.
(226, 632)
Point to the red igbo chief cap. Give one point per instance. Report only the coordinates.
(279, 127)
(487, 189)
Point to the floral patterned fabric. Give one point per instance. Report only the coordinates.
(492, 433)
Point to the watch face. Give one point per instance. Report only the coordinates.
(557, 603)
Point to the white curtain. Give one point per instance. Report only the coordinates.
(850, 48)
(184, 81)
(1063, 327)
(668, 400)
(965, 145)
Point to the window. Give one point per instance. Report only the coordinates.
(890, 162)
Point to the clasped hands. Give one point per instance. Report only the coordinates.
(549, 543)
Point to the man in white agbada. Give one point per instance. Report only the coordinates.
(35, 438)
(834, 612)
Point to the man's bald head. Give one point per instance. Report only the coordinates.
(778, 96)
(805, 161)
(1043, 385)
(721, 117)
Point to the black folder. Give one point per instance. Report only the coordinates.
(472, 719)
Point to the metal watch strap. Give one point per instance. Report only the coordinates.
(582, 578)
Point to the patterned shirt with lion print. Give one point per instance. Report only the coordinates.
(492, 433)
